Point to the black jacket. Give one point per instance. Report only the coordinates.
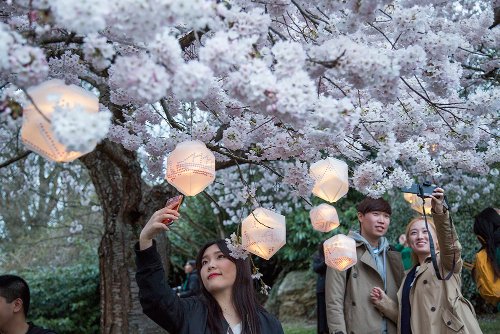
(191, 286)
(319, 266)
(38, 330)
(180, 316)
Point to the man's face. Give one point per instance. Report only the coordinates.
(7, 311)
(374, 224)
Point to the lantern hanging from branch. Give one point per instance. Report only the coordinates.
(340, 252)
(409, 197)
(324, 218)
(263, 232)
(416, 203)
(331, 179)
(36, 133)
(191, 167)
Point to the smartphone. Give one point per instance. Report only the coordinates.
(173, 203)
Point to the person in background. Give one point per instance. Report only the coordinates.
(402, 247)
(486, 271)
(426, 304)
(227, 303)
(348, 309)
(319, 267)
(191, 285)
(14, 307)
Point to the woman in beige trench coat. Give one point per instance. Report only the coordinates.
(425, 303)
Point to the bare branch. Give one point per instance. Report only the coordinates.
(15, 159)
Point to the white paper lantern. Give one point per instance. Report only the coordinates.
(36, 132)
(263, 233)
(191, 167)
(331, 179)
(340, 252)
(409, 197)
(324, 218)
(417, 205)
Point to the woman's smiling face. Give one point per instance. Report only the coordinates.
(418, 238)
(217, 273)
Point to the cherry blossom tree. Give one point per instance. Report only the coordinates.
(401, 90)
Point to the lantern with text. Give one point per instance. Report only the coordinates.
(324, 218)
(331, 179)
(340, 252)
(36, 133)
(416, 203)
(191, 167)
(263, 233)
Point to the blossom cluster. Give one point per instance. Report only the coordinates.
(78, 129)
(401, 89)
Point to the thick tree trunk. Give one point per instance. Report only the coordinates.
(127, 203)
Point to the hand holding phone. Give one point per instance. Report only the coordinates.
(173, 203)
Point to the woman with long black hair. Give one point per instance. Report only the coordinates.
(227, 304)
(486, 270)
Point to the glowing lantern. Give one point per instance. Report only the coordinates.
(409, 197)
(331, 179)
(36, 132)
(324, 218)
(191, 167)
(416, 203)
(263, 233)
(340, 252)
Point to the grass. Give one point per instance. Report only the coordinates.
(299, 328)
(489, 324)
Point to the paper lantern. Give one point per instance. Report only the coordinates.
(416, 203)
(191, 167)
(36, 132)
(331, 179)
(263, 232)
(340, 252)
(324, 218)
(409, 197)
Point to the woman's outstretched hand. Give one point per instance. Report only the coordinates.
(154, 226)
(437, 200)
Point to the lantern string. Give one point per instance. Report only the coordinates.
(36, 107)
(219, 216)
(191, 109)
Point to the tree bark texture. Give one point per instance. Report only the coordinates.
(127, 203)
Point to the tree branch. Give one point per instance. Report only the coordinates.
(15, 159)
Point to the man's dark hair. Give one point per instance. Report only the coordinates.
(374, 204)
(13, 287)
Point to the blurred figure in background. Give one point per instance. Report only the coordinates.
(405, 251)
(486, 270)
(319, 267)
(191, 285)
